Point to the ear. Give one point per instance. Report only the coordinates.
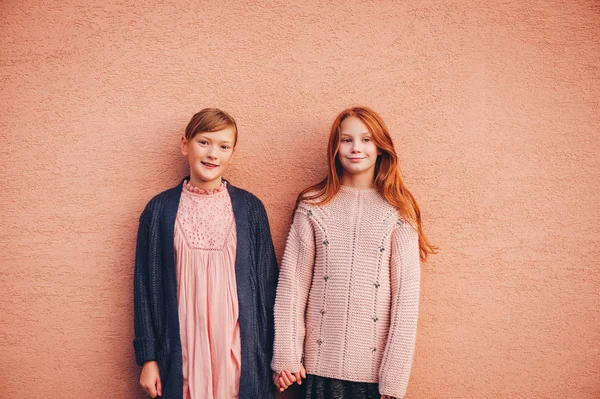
(184, 146)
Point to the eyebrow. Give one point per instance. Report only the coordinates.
(200, 135)
(362, 134)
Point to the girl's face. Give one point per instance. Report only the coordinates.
(358, 153)
(209, 155)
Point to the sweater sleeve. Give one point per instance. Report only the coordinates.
(405, 276)
(144, 343)
(295, 278)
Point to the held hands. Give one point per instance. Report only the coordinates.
(284, 379)
(150, 379)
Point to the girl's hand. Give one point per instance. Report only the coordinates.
(276, 380)
(150, 379)
(300, 374)
(286, 378)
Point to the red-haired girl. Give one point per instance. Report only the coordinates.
(348, 295)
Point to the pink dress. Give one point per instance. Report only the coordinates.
(205, 246)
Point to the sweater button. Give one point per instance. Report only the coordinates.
(381, 249)
(322, 311)
(309, 213)
(319, 341)
(373, 350)
(376, 284)
(325, 278)
(375, 318)
(325, 242)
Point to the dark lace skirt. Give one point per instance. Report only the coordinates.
(315, 387)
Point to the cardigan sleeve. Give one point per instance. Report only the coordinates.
(145, 342)
(405, 276)
(267, 268)
(295, 279)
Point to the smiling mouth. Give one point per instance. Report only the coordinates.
(209, 165)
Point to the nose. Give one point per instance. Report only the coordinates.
(356, 146)
(212, 153)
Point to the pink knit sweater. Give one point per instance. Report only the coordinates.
(348, 294)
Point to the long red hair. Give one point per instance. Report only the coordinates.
(388, 177)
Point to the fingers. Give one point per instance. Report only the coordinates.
(289, 377)
(148, 388)
(285, 380)
(302, 371)
(298, 378)
(151, 389)
(300, 374)
(150, 379)
(158, 387)
(282, 385)
(276, 382)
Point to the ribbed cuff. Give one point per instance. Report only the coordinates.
(145, 350)
(283, 365)
(393, 391)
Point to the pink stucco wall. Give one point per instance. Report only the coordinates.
(494, 107)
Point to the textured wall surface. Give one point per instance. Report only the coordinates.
(494, 107)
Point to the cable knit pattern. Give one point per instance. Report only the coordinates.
(348, 294)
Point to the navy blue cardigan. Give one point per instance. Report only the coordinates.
(156, 320)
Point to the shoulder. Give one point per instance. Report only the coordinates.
(312, 197)
(254, 204)
(387, 214)
(311, 212)
(405, 231)
(155, 206)
(312, 201)
(307, 206)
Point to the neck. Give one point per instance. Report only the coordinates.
(363, 180)
(205, 185)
